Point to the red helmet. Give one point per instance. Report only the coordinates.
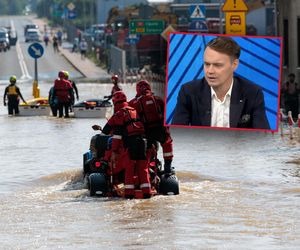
(119, 96)
(61, 74)
(142, 86)
(115, 78)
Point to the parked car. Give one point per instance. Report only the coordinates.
(4, 40)
(32, 35)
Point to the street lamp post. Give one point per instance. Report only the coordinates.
(275, 18)
(221, 17)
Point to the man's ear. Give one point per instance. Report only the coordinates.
(235, 64)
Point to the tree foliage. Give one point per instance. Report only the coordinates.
(54, 9)
(12, 7)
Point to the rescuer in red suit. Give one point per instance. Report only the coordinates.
(151, 111)
(115, 88)
(128, 132)
(63, 90)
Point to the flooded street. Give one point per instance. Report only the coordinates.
(238, 190)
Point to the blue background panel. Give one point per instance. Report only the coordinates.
(259, 64)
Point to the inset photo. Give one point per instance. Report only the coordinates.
(222, 81)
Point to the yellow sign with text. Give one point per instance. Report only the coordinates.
(235, 23)
(234, 5)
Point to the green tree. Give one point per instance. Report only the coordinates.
(12, 7)
(53, 9)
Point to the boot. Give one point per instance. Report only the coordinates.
(168, 169)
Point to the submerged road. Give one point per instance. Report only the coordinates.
(238, 190)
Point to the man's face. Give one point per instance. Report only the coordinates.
(218, 68)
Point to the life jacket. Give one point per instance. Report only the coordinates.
(132, 122)
(62, 90)
(12, 90)
(150, 111)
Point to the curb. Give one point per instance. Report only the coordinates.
(79, 70)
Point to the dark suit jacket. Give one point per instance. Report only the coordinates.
(247, 107)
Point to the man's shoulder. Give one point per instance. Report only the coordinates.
(194, 85)
(247, 85)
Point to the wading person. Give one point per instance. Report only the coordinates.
(63, 91)
(13, 94)
(151, 111)
(290, 92)
(220, 99)
(128, 132)
(115, 88)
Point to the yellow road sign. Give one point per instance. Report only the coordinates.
(235, 5)
(165, 33)
(71, 6)
(235, 23)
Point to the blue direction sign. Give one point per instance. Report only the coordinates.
(199, 25)
(197, 12)
(36, 50)
(72, 14)
(133, 39)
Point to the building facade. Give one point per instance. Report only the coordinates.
(289, 28)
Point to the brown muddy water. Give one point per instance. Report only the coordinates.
(238, 190)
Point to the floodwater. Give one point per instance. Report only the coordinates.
(238, 190)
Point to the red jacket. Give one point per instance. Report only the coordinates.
(124, 122)
(63, 90)
(150, 109)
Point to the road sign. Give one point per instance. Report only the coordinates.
(167, 30)
(235, 5)
(198, 25)
(133, 38)
(72, 14)
(235, 23)
(35, 50)
(197, 12)
(57, 13)
(71, 6)
(146, 26)
(235, 16)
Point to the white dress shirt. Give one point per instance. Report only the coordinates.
(220, 109)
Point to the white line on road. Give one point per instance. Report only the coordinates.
(25, 73)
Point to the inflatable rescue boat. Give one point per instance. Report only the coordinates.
(106, 181)
(35, 107)
(93, 108)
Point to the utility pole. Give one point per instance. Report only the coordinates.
(275, 18)
(221, 17)
(92, 12)
(84, 16)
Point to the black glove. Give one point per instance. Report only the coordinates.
(4, 103)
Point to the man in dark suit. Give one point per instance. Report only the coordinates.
(220, 99)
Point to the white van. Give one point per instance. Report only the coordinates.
(32, 35)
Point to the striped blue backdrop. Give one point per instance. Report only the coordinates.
(259, 63)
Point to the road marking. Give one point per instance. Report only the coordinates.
(23, 66)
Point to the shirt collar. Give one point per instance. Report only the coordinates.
(214, 95)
